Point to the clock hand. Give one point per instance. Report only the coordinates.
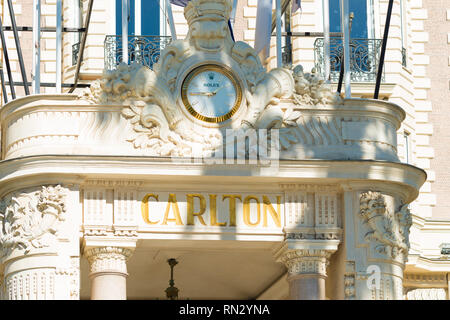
(201, 94)
(220, 88)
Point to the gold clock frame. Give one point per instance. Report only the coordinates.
(223, 70)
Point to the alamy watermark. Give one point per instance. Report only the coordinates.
(374, 278)
(259, 147)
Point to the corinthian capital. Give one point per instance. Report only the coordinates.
(306, 261)
(108, 259)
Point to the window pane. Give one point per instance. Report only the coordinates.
(150, 17)
(119, 17)
(359, 24)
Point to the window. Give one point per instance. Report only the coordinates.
(364, 48)
(362, 24)
(147, 33)
(144, 18)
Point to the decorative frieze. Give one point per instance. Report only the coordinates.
(125, 207)
(309, 187)
(426, 294)
(110, 212)
(97, 211)
(431, 280)
(299, 215)
(113, 183)
(27, 220)
(312, 212)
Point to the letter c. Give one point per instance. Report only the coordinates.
(144, 208)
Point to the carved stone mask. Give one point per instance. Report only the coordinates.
(209, 35)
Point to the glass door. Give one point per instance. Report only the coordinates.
(364, 50)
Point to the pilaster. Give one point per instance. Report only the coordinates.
(376, 236)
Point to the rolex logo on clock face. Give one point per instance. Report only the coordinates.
(211, 93)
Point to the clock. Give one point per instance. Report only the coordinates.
(211, 93)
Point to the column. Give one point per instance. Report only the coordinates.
(108, 272)
(307, 261)
(306, 273)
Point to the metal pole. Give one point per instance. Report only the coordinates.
(82, 45)
(308, 34)
(383, 49)
(36, 72)
(171, 22)
(345, 31)
(53, 84)
(341, 71)
(8, 67)
(279, 54)
(58, 45)
(137, 18)
(284, 6)
(326, 38)
(233, 12)
(125, 31)
(43, 29)
(19, 50)
(2, 78)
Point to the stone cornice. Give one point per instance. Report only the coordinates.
(403, 178)
(427, 264)
(434, 280)
(33, 99)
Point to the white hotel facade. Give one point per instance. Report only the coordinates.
(97, 194)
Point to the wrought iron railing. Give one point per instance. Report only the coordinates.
(364, 58)
(144, 50)
(75, 51)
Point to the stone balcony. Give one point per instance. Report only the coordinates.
(359, 129)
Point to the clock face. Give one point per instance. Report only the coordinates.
(211, 93)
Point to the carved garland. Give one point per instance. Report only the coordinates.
(26, 218)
